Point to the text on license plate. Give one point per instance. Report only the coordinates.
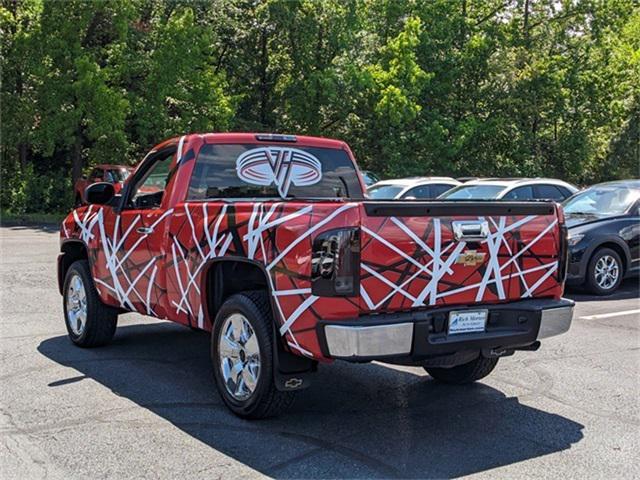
(467, 321)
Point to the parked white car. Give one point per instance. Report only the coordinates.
(512, 189)
(414, 188)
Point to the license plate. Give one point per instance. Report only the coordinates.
(467, 321)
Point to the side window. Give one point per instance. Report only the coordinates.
(566, 193)
(549, 192)
(439, 189)
(96, 174)
(520, 193)
(149, 190)
(423, 191)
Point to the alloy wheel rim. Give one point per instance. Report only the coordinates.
(239, 355)
(76, 305)
(607, 272)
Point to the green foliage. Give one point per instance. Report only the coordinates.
(418, 87)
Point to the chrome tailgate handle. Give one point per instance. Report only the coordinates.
(470, 230)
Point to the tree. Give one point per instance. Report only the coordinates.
(81, 109)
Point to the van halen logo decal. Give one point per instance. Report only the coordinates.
(280, 166)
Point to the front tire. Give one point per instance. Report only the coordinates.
(90, 323)
(242, 357)
(604, 272)
(465, 373)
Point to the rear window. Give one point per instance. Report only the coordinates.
(268, 171)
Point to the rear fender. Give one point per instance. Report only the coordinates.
(291, 371)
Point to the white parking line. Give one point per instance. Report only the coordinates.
(609, 315)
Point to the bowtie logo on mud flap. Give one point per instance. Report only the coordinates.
(280, 166)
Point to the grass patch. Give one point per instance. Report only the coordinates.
(7, 218)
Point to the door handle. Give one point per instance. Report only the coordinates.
(144, 230)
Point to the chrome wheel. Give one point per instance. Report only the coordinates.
(606, 272)
(76, 305)
(239, 356)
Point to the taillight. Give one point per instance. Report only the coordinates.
(335, 265)
(563, 251)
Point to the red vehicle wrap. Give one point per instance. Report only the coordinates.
(155, 261)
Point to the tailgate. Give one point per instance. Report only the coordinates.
(421, 254)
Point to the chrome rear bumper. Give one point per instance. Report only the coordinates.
(379, 340)
(555, 321)
(423, 334)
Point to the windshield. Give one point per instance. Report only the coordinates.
(605, 200)
(382, 192)
(473, 192)
(119, 175)
(369, 178)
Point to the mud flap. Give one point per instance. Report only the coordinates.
(291, 372)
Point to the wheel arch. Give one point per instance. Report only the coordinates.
(617, 246)
(71, 250)
(226, 276)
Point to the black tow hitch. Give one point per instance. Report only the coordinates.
(507, 351)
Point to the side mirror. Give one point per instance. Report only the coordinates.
(99, 193)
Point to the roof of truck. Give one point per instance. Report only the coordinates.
(255, 138)
(111, 166)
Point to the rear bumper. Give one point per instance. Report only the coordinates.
(420, 335)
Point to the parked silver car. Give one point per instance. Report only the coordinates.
(512, 189)
(414, 188)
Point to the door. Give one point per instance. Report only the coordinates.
(135, 248)
(631, 235)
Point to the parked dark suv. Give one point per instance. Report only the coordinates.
(604, 235)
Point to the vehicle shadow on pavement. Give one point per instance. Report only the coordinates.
(630, 288)
(356, 421)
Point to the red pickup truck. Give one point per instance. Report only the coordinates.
(114, 174)
(269, 243)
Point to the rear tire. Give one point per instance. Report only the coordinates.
(242, 357)
(89, 322)
(604, 272)
(465, 373)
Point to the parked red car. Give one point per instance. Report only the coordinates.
(114, 174)
(268, 242)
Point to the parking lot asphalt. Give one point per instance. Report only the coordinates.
(146, 406)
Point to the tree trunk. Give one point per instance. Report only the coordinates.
(23, 154)
(76, 165)
(264, 65)
(525, 23)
